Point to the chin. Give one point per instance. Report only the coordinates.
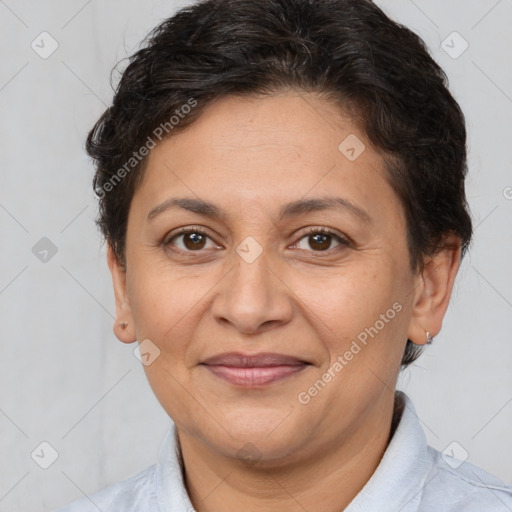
(254, 437)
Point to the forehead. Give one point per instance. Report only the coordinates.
(268, 150)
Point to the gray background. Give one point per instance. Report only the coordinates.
(66, 380)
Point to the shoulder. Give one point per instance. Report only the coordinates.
(136, 493)
(457, 486)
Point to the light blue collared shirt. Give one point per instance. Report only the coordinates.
(411, 477)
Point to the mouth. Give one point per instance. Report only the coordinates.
(254, 370)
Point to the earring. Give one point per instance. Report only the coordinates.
(429, 338)
(124, 325)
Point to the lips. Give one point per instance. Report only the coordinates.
(264, 359)
(255, 369)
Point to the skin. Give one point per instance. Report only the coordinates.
(249, 157)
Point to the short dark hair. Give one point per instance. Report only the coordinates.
(347, 51)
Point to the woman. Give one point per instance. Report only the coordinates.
(281, 188)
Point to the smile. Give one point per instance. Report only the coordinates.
(254, 370)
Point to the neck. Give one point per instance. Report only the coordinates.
(328, 480)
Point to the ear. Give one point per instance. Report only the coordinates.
(126, 333)
(433, 291)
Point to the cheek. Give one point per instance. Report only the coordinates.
(161, 301)
(358, 309)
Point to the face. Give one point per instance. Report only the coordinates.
(268, 267)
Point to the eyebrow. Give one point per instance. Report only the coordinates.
(192, 205)
(293, 209)
(304, 206)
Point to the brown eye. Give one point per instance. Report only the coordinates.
(320, 242)
(194, 241)
(320, 239)
(190, 240)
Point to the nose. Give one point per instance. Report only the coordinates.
(252, 298)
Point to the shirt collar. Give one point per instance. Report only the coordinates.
(170, 486)
(395, 486)
(397, 483)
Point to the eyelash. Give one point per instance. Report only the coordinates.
(310, 231)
